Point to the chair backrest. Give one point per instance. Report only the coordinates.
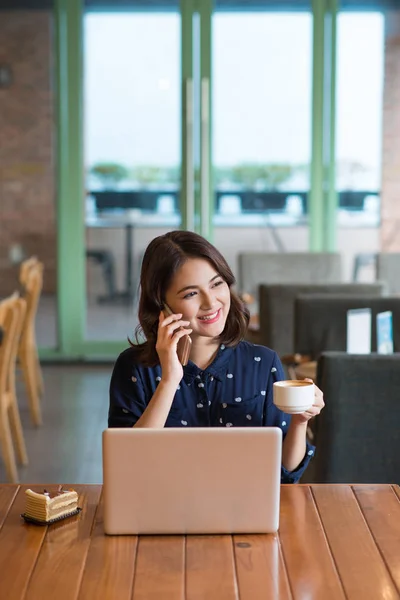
(256, 268)
(357, 434)
(19, 307)
(321, 321)
(8, 323)
(388, 269)
(25, 267)
(276, 308)
(32, 281)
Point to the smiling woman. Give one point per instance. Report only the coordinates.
(227, 382)
(205, 304)
(184, 271)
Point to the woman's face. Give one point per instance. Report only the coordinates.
(202, 296)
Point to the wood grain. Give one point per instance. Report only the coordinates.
(311, 568)
(260, 568)
(396, 490)
(359, 563)
(379, 505)
(160, 568)
(210, 568)
(110, 564)
(20, 545)
(334, 541)
(61, 561)
(7, 495)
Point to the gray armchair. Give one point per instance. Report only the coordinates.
(321, 321)
(386, 266)
(256, 268)
(357, 435)
(388, 269)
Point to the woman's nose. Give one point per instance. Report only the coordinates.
(207, 301)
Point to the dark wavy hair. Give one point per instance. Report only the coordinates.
(163, 257)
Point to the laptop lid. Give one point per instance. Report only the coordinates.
(197, 480)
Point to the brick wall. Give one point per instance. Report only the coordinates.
(390, 195)
(27, 190)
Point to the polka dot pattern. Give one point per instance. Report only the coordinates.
(235, 390)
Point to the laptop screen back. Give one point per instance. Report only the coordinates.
(197, 480)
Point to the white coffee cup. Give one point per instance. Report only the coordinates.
(293, 396)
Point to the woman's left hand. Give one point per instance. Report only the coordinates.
(314, 410)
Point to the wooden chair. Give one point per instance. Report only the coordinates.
(25, 267)
(31, 278)
(12, 313)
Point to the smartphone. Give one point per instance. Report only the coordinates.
(184, 344)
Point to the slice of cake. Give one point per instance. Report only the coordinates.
(50, 505)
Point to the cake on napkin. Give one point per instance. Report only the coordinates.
(48, 506)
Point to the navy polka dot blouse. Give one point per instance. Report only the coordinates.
(235, 390)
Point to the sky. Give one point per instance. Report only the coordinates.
(261, 95)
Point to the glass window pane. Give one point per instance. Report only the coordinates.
(132, 155)
(262, 70)
(360, 78)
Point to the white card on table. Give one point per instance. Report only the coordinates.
(384, 332)
(359, 331)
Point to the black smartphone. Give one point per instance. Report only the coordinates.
(184, 344)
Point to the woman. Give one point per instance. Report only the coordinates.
(227, 381)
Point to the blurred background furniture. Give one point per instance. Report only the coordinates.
(31, 280)
(388, 269)
(385, 266)
(321, 320)
(276, 308)
(256, 268)
(12, 312)
(362, 260)
(129, 221)
(357, 434)
(321, 324)
(105, 259)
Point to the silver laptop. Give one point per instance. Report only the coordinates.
(194, 480)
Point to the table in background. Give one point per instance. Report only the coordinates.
(129, 220)
(334, 541)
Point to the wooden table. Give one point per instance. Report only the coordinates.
(335, 541)
(307, 370)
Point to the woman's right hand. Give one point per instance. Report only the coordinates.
(169, 333)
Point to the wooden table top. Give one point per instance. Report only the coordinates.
(334, 541)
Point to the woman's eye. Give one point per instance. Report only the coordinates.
(217, 283)
(189, 295)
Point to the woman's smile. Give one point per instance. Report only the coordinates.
(210, 318)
